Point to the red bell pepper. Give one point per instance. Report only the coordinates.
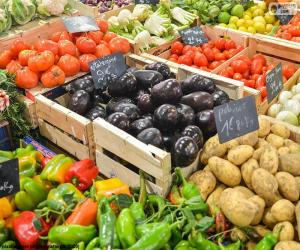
(45, 161)
(28, 228)
(82, 174)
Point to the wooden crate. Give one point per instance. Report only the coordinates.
(30, 111)
(86, 10)
(6, 142)
(120, 154)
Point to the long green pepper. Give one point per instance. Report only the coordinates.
(234, 246)
(267, 242)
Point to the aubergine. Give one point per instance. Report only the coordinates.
(139, 125)
(205, 120)
(184, 152)
(151, 136)
(131, 110)
(198, 101)
(195, 133)
(145, 104)
(132, 70)
(120, 120)
(114, 102)
(166, 117)
(97, 100)
(220, 97)
(186, 115)
(147, 78)
(80, 102)
(169, 139)
(161, 68)
(125, 85)
(197, 83)
(84, 83)
(139, 94)
(168, 91)
(96, 112)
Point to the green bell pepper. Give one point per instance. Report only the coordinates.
(21, 152)
(92, 244)
(71, 234)
(27, 166)
(5, 156)
(3, 233)
(31, 194)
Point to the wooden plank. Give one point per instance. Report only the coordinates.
(86, 10)
(30, 111)
(106, 15)
(64, 141)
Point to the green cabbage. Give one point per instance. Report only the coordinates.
(22, 11)
(5, 20)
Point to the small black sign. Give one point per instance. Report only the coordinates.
(9, 177)
(274, 82)
(236, 118)
(193, 36)
(146, 2)
(108, 66)
(285, 12)
(76, 24)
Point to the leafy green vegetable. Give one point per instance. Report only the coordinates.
(22, 11)
(5, 20)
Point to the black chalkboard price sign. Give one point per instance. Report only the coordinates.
(104, 68)
(285, 12)
(274, 82)
(9, 177)
(236, 118)
(76, 24)
(154, 2)
(193, 36)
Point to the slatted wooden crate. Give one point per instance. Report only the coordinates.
(86, 10)
(120, 154)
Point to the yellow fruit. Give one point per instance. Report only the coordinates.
(259, 19)
(269, 28)
(232, 26)
(248, 13)
(277, 23)
(243, 28)
(233, 19)
(253, 8)
(260, 27)
(258, 12)
(222, 24)
(247, 17)
(270, 17)
(251, 30)
(240, 22)
(262, 5)
(249, 23)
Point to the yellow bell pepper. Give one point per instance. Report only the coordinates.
(6, 208)
(111, 186)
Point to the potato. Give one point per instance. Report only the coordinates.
(268, 219)
(249, 139)
(287, 186)
(297, 179)
(250, 245)
(237, 210)
(261, 142)
(264, 127)
(275, 140)
(212, 148)
(257, 153)
(232, 144)
(261, 208)
(262, 230)
(240, 154)
(280, 130)
(206, 168)
(290, 163)
(264, 184)
(247, 169)
(269, 159)
(287, 245)
(247, 193)
(225, 171)
(287, 230)
(283, 210)
(283, 151)
(213, 200)
(205, 181)
(293, 146)
(297, 212)
(237, 234)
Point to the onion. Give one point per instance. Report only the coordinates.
(287, 116)
(274, 109)
(284, 96)
(293, 106)
(296, 89)
(296, 97)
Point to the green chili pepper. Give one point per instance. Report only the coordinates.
(3, 233)
(199, 241)
(79, 246)
(71, 234)
(5, 156)
(189, 190)
(234, 246)
(92, 244)
(155, 239)
(144, 229)
(20, 152)
(184, 245)
(156, 201)
(126, 228)
(268, 242)
(9, 245)
(175, 237)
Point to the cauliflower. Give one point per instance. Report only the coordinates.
(141, 12)
(22, 11)
(51, 7)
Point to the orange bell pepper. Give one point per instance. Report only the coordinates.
(106, 188)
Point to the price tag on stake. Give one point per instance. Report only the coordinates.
(236, 118)
(9, 177)
(274, 82)
(285, 12)
(193, 36)
(105, 67)
(76, 24)
(154, 2)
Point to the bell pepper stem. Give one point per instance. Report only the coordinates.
(179, 173)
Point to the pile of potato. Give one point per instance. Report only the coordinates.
(255, 181)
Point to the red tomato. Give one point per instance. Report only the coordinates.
(177, 47)
(220, 43)
(43, 45)
(200, 60)
(245, 59)
(220, 57)
(69, 64)
(184, 59)
(198, 49)
(270, 66)
(102, 50)
(286, 35)
(61, 35)
(204, 68)
(239, 66)
(246, 74)
(41, 61)
(86, 45)
(24, 56)
(230, 71)
(174, 56)
(215, 50)
(260, 57)
(295, 30)
(237, 76)
(13, 67)
(207, 45)
(173, 59)
(102, 24)
(261, 81)
(190, 53)
(96, 36)
(229, 44)
(288, 70)
(209, 54)
(256, 66)
(66, 47)
(224, 73)
(250, 83)
(215, 64)
(186, 48)
(119, 44)
(85, 60)
(109, 36)
(17, 46)
(254, 77)
(239, 48)
(227, 54)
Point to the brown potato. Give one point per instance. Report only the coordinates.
(293, 146)
(261, 142)
(247, 193)
(283, 151)
(240, 154)
(280, 130)
(249, 139)
(232, 144)
(261, 208)
(225, 171)
(287, 245)
(268, 219)
(287, 186)
(250, 245)
(287, 230)
(297, 179)
(275, 140)
(257, 153)
(247, 169)
(269, 159)
(262, 230)
(213, 200)
(264, 127)
(290, 163)
(237, 234)
(283, 210)
(297, 212)
(205, 181)
(212, 148)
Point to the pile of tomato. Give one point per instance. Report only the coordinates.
(290, 31)
(252, 71)
(207, 56)
(52, 60)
